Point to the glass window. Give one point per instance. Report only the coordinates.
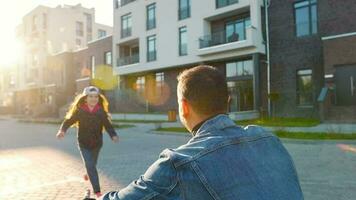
(239, 68)
(151, 16)
(92, 64)
(101, 33)
(108, 58)
(236, 30)
(241, 95)
(306, 17)
(183, 44)
(305, 95)
(79, 28)
(223, 3)
(184, 9)
(159, 84)
(126, 25)
(140, 85)
(151, 48)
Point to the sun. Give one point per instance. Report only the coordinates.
(11, 52)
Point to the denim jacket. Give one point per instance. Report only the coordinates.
(221, 162)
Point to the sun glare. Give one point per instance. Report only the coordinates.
(11, 52)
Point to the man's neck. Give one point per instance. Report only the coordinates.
(200, 122)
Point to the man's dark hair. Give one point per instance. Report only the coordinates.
(205, 88)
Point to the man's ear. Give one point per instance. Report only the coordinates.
(185, 108)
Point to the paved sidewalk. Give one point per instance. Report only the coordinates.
(34, 165)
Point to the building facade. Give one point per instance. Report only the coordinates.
(49, 31)
(153, 41)
(313, 67)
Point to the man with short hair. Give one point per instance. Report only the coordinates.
(222, 161)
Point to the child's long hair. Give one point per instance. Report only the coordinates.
(79, 100)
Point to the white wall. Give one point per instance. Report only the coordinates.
(166, 31)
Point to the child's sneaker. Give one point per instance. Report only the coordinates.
(98, 194)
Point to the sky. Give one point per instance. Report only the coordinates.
(12, 12)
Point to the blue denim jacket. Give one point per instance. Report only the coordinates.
(221, 162)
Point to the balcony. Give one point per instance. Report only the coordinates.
(128, 60)
(219, 42)
(219, 38)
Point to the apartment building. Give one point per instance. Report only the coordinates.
(313, 60)
(153, 41)
(48, 31)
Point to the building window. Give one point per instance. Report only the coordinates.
(159, 84)
(151, 16)
(236, 30)
(79, 29)
(223, 3)
(184, 9)
(108, 58)
(34, 23)
(44, 21)
(89, 26)
(306, 20)
(240, 85)
(151, 48)
(101, 33)
(92, 66)
(239, 69)
(140, 85)
(305, 94)
(183, 45)
(126, 25)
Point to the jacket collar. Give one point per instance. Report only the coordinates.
(218, 122)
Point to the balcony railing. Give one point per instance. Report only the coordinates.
(219, 38)
(128, 60)
(126, 32)
(120, 3)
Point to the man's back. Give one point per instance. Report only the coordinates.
(224, 161)
(221, 162)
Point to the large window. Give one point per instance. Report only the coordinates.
(223, 3)
(239, 76)
(151, 16)
(151, 48)
(183, 45)
(126, 25)
(108, 58)
(92, 66)
(236, 30)
(184, 9)
(79, 28)
(240, 68)
(140, 85)
(306, 20)
(101, 33)
(159, 84)
(305, 94)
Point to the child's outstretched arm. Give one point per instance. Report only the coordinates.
(66, 124)
(109, 128)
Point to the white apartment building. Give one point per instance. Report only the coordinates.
(153, 40)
